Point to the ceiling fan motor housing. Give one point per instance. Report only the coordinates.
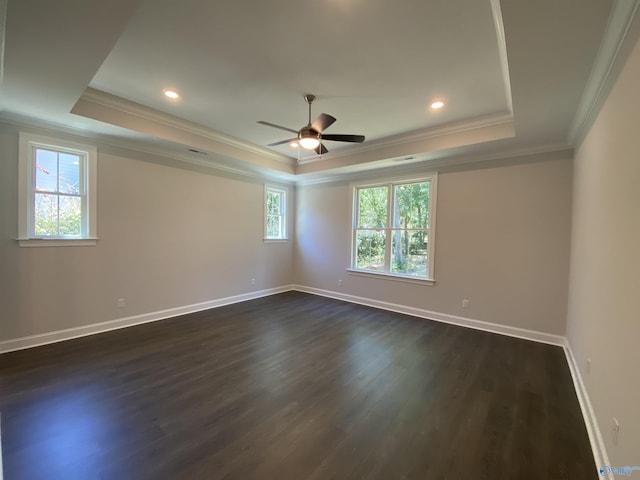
(310, 136)
(308, 131)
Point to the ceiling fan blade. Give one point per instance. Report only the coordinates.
(269, 124)
(322, 122)
(321, 149)
(283, 142)
(337, 137)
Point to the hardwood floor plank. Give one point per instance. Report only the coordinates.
(292, 386)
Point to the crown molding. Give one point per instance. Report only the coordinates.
(431, 162)
(502, 51)
(445, 141)
(154, 152)
(418, 136)
(620, 35)
(148, 149)
(93, 97)
(117, 111)
(3, 28)
(207, 161)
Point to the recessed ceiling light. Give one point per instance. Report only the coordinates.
(172, 94)
(437, 105)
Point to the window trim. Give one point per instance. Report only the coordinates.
(285, 198)
(431, 177)
(27, 143)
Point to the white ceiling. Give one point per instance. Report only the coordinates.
(374, 70)
(514, 75)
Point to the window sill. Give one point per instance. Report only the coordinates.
(275, 240)
(392, 277)
(57, 242)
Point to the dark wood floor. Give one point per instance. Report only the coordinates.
(292, 386)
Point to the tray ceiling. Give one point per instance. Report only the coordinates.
(511, 74)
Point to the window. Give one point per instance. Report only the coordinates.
(394, 228)
(275, 225)
(57, 192)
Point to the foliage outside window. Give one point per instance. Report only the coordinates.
(57, 190)
(394, 228)
(275, 213)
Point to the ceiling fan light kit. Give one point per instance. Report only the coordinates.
(309, 142)
(310, 136)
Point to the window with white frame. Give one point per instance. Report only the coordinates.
(394, 228)
(275, 224)
(57, 192)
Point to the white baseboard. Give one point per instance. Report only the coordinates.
(593, 430)
(69, 333)
(595, 437)
(517, 332)
(1, 469)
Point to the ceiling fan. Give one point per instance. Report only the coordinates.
(310, 136)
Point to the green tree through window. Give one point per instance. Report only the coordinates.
(371, 235)
(392, 228)
(275, 211)
(58, 193)
(410, 229)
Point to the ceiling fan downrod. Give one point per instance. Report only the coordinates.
(309, 99)
(310, 136)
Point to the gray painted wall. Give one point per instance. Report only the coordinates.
(502, 242)
(603, 321)
(171, 237)
(168, 237)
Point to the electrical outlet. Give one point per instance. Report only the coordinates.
(588, 366)
(465, 303)
(340, 282)
(121, 303)
(253, 281)
(615, 431)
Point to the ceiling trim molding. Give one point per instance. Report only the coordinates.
(142, 147)
(3, 28)
(621, 33)
(435, 163)
(103, 106)
(431, 160)
(97, 97)
(417, 136)
(502, 50)
(201, 161)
